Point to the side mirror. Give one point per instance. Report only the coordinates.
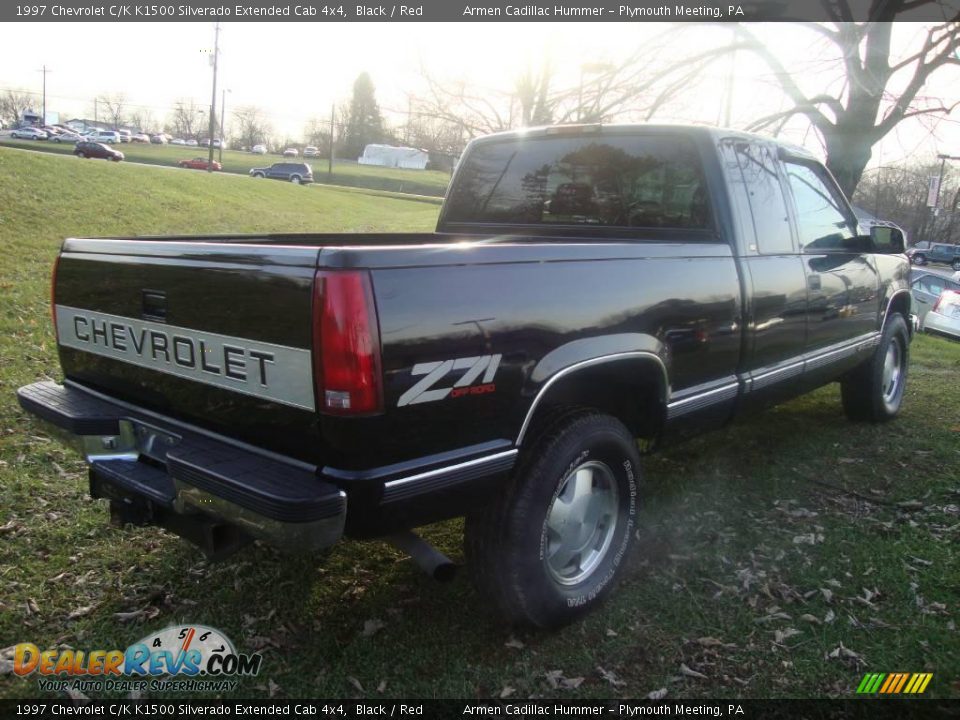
(887, 240)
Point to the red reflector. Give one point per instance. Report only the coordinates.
(346, 344)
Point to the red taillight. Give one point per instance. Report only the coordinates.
(946, 294)
(53, 297)
(346, 344)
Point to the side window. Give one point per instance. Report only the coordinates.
(767, 204)
(821, 221)
(932, 284)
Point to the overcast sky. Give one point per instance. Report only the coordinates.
(296, 70)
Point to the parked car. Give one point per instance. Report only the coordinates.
(66, 137)
(218, 143)
(192, 143)
(926, 290)
(28, 133)
(178, 141)
(944, 317)
(140, 138)
(259, 149)
(103, 136)
(88, 149)
(330, 384)
(297, 173)
(311, 151)
(936, 253)
(291, 152)
(125, 135)
(159, 139)
(199, 163)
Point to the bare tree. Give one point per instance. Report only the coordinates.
(250, 126)
(899, 193)
(853, 120)
(635, 87)
(114, 105)
(143, 120)
(186, 120)
(317, 133)
(13, 103)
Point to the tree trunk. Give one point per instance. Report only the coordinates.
(848, 154)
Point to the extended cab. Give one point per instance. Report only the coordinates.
(586, 287)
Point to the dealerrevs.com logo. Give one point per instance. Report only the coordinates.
(179, 657)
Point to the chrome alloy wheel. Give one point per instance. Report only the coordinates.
(581, 523)
(892, 372)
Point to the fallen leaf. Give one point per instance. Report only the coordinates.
(80, 612)
(781, 635)
(507, 691)
(372, 627)
(807, 617)
(709, 641)
(514, 643)
(356, 683)
(611, 633)
(128, 616)
(657, 694)
(684, 670)
(272, 688)
(382, 687)
(827, 594)
(32, 607)
(75, 695)
(829, 617)
(610, 677)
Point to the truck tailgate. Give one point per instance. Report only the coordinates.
(216, 334)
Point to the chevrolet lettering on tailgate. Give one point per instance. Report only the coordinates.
(275, 372)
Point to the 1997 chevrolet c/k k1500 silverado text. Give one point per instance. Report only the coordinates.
(587, 286)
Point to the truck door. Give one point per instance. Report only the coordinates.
(775, 293)
(842, 280)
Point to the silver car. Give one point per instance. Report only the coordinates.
(926, 289)
(944, 316)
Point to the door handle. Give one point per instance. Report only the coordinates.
(813, 282)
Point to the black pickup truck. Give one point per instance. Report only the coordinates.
(588, 287)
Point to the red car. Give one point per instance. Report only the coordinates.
(199, 164)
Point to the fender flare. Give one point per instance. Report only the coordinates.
(582, 354)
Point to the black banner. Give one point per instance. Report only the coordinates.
(470, 11)
(876, 709)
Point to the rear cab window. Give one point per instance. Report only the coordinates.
(604, 180)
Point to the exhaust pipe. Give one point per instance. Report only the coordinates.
(433, 562)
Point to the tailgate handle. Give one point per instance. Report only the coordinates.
(155, 305)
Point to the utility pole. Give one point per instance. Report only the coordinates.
(330, 159)
(213, 98)
(223, 114)
(43, 117)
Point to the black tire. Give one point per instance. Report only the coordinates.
(870, 392)
(508, 544)
(955, 264)
(259, 175)
(296, 179)
(919, 259)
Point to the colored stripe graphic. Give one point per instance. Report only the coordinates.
(894, 683)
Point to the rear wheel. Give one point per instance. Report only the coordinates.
(258, 175)
(296, 179)
(955, 264)
(919, 259)
(551, 546)
(874, 390)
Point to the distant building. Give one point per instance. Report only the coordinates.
(396, 157)
(30, 117)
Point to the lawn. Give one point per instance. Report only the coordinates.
(345, 172)
(784, 556)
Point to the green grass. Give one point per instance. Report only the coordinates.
(345, 172)
(791, 520)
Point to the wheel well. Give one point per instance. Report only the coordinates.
(633, 392)
(899, 304)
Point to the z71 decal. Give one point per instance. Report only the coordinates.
(434, 372)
